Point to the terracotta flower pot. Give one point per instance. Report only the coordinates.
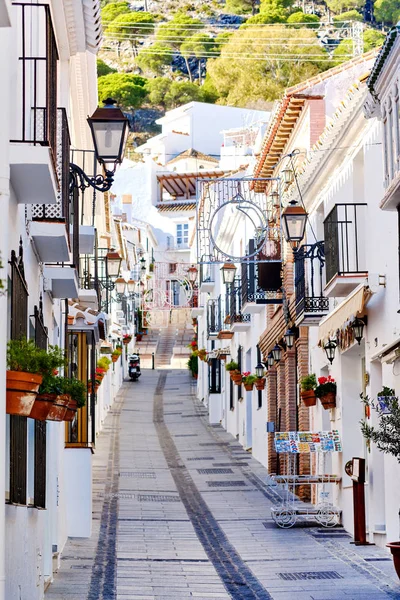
(71, 410)
(22, 389)
(248, 386)
(260, 384)
(114, 358)
(236, 376)
(42, 406)
(309, 398)
(329, 400)
(395, 550)
(59, 408)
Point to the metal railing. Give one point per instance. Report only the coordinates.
(36, 101)
(344, 231)
(214, 316)
(60, 211)
(234, 300)
(309, 281)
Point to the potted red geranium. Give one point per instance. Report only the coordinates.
(326, 391)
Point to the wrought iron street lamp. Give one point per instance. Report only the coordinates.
(113, 263)
(330, 349)
(289, 339)
(287, 176)
(109, 128)
(270, 360)
(358, 329)
(260, 370)
(277, 353)
(131, 285)
(294, 220)
(228, 273)
(120, 286)
(192, 274)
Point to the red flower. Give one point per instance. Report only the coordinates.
(246, 373)
(55, 372)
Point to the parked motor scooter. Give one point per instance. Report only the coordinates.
(134, 367)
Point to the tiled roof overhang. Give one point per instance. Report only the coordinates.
(382, 56)
(176, 206)
(184, 184)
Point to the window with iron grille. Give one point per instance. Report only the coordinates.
(239, 361)
(214, 376)
(231, 396)
(17, 426)
(40, 431)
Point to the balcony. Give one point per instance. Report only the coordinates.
(261, 285)
(344, 231)
(238, 320)
(207, 278)
(214, 318)
(62, 282)
(89, 292)
(34, 126)
(50, 227)
(311, 304)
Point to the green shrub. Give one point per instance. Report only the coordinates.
(232, 366)
(309, 382)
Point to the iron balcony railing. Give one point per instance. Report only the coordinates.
(309, 280)
(261, 280)
(344, 232)
(214, 317)
(90, 271)
(234, 304)
(62, 209)
(36, 99)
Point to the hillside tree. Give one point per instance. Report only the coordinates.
(132, 27)
(177, 32)
(154, 58)
(128, 90)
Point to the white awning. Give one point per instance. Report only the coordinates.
(347, 310)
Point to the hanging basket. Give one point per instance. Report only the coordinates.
(248, 386)
(329, 400)
(236, 377)
(22, 390)
(260, 384)
(309, 398)
(42, 406)
(114, 357)
(59, 408)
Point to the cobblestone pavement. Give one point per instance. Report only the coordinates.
(181, 511)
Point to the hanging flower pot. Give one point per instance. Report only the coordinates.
(42, 406)
(395, 550)
(309, 398)
(22, 389)
(260, 384)
(329, 400)
(139, 337)
(248, 387)
(59, 408)
(71, 410)
(115, 357)
(236, 377)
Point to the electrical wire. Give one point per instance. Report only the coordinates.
(201, 27)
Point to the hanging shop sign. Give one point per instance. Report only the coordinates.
(304, 442)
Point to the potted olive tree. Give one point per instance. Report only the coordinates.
(308, 385)
(386, 436)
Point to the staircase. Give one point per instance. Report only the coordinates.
(165, 348)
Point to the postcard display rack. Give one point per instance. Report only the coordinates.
(291, 509)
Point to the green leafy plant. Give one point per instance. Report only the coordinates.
(77, 390)
(309, 382)
(386, 434)
(24, 355)
(248, 378)
(104, 363)
(193, 364)
(52, 385)
(386, 391)
(232, 366)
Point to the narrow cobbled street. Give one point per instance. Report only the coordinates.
(181, 511)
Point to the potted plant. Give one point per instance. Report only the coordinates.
(385, 399)
(233, 369)
(115, 354)
(202, 354)
(76, 390)
(248, 380)
(326, 392)
(27, 365)
(386, 436)
(193, 345)
(308, 385)
(104, 363)
(52, 401)
(139, 336)
(126, 339)
(193, 365)
(260, 384)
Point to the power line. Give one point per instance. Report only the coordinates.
(202, 27)
(274, 42)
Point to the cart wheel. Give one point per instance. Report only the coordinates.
(327, 515)
(285, 517)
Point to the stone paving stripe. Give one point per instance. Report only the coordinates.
(214, 471)
(226, 483)
(310, 575)
(155, 498)
(237, 578)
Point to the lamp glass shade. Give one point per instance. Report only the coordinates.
(228, 272)
(270, 360)
(260, 370)
(287, 175)
(330, 349)
(294, 220)
(109, 128)
(113, 263)
(131, 286)
(358, 329)
(120, 285)
(275, 198)
(289, 338)
(277, 353)
(192, 274)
